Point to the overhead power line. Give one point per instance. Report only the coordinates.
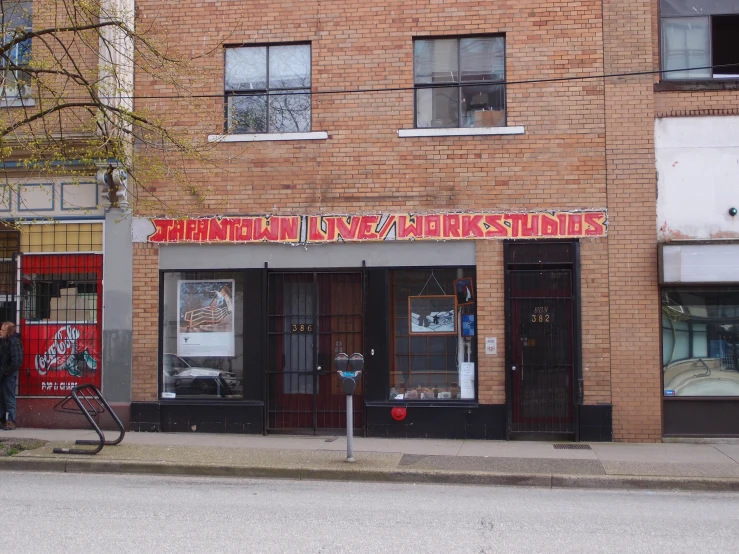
(425, 85)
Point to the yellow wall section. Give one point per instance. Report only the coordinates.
(62, 237)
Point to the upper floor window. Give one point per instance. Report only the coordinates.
(459, 82)
(15, 22)
(699, 39)
(268, 89)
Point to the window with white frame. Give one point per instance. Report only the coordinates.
(459, 82)
(699, 39)
(268, 89)
(15, 52)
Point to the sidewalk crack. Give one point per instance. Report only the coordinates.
(725, 454)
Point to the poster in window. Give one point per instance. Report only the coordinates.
(62, 356)
(432, 315)
(467, 380)
(205, 318)
(465, 291)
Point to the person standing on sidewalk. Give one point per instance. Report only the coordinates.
(11, 359)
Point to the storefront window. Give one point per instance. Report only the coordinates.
(700, 342)
(433, 334)
(202, 335)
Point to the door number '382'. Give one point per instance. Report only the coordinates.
(540, 315)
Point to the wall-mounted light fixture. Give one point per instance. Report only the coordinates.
(732, 212)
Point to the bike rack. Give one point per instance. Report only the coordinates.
(90, 403)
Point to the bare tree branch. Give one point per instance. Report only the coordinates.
(66, 94)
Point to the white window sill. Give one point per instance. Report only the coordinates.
(16, 102)
(257, 137)
(461, 132)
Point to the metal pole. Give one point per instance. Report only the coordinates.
(349, 428)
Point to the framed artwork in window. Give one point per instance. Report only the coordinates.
(432, 315)
(464, 291)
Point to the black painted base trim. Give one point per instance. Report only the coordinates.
(197, 418)
(145, 417)
(542, 437)
(439, 422)
(596, 423)
(480, 422)
(697, 417)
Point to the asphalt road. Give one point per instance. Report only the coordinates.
(49, 512)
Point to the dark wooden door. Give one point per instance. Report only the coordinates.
(313, 316)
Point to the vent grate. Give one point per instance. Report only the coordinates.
(572, 446)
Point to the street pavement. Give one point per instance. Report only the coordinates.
(662, 466)
(51, 513)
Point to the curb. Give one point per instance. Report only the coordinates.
(552, 481)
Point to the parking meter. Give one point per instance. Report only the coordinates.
(349, 369)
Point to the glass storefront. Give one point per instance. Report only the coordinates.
(700, 341)
(432, 316)
(433, 350)
(202, 335)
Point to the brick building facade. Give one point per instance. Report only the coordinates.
(61, 238)
(534, 117)
(697, 151)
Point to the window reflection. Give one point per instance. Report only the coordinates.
(460, 82)
(214, 367)
(268, 89)
(700, 342)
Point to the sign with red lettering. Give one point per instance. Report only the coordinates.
(318, 229)
(61, 356)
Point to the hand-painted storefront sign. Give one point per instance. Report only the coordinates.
(62, 356)
(314, 229)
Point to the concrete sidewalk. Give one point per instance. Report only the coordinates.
(671, 466)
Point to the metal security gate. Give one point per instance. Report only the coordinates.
(312, 317)
(541, 348)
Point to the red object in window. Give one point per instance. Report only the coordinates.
(46, 264)
(60, 356)
(398, 413)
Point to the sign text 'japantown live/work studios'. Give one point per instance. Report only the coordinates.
(317, 229)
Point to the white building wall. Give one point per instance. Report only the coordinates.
(697, 177)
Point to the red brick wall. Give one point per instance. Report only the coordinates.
(633, 293)
(595, 321)
(364, 165)
(696, 102)
(491, 321)
(144, 379)
(588, 144)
